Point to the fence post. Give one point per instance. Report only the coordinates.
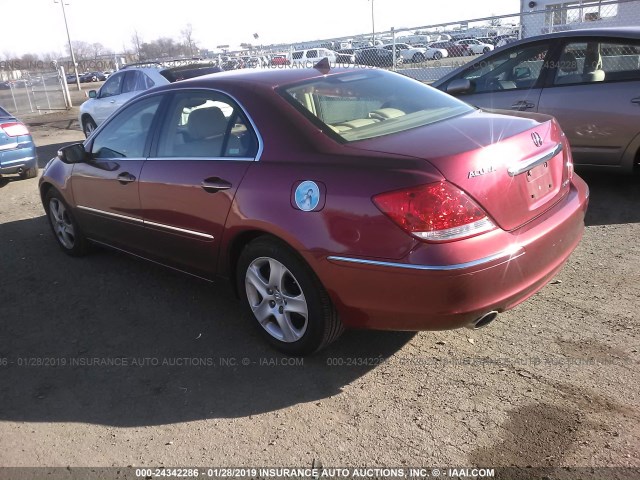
(393, 50)
(65, 87)
(29, 96)
(11, 87)
(44, 85)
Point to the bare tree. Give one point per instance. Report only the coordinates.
(137, 42)
(189, 43)
(97, 49)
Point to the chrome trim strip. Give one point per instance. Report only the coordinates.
(511, 253)
(111, 214)
(147, 222)
(181, 230)
(190, 159)
(527, 165)
(9, 146)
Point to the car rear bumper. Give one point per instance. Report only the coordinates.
(17, 160)
(444, 286)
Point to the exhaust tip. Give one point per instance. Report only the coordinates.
(484, 320)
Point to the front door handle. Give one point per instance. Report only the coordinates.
(523, 105)
(126, 177)
(215, 184)
(636, 100)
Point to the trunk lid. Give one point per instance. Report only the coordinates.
(515, 168)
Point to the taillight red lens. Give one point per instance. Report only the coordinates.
(14, 129)
(437, 212)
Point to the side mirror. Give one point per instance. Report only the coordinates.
(74, 153)
(460, 86)
(93, 94)
(522, 72)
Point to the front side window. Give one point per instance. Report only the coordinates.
(126, 134)
(360, 105)
(203, 124)
(512, 69)
(112, 86)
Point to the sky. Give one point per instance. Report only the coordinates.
(40, 28)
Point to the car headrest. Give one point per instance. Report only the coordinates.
(206, 122)
(568, 63)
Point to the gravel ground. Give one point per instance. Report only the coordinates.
(553, 382)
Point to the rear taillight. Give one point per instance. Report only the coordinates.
(14, 129)
(437, 212)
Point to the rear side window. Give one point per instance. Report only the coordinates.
(296, 55)
(598, 61)
(204, 124)
(112, 86)
(360, 105)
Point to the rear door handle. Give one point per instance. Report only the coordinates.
(126, 177)
(523, 105)
(215, 184)
(636, 100)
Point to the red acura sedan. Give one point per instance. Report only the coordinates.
(330, 198)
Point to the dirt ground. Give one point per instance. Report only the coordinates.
(552, 383)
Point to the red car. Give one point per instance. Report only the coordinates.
(330, 198)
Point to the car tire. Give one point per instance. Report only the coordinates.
(285, 299)
(88, 126)
(437, 56)
(29, 173)
(64, 226)
(417, 58)
(486, 50)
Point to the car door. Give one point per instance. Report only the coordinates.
(105, 187)
(594, 92)
(508, 80)
(103, 104)
(203, 150)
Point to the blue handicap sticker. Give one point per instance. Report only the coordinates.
(307, 196)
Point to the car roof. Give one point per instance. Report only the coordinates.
(266, 77)
(622, 32)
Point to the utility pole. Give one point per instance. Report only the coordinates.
(73, 57)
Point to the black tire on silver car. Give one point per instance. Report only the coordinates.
(64, 226)
(282, 294)
(88, 126)
(437, 55)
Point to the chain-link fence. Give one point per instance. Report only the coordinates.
(429, 52)
(35, 92)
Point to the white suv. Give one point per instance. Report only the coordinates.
(308, 58)
(119, 87)
(125, 84)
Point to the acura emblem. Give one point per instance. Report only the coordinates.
(537, 139)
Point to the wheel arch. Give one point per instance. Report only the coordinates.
(230, 256)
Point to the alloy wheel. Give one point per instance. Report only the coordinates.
(61, 223)
(276, 299)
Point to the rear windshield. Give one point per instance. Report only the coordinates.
(369, 104)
